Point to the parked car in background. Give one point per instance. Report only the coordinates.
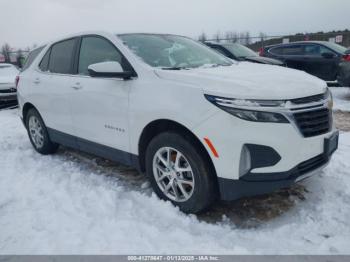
(242, 53)
(201, 126)
(344, 70)
(8, 91)
(319, 58)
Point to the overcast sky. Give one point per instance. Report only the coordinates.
(25, 22)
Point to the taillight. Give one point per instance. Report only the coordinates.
(346, 58)
(261, 52)
(17, 81)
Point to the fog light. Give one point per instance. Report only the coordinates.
(245, 161)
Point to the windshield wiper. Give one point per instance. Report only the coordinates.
(175, 68)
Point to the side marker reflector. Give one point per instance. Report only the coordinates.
(212, 148)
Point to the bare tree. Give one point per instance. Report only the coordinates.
(6, 50)
(262, 39)
(20, 58)
(217, 36)
(231, 36)
(242, 38)
(202, 37)
(248, 40)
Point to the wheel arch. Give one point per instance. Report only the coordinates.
(26, 107)
(165, 125)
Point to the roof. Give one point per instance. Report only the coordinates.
(299, 42)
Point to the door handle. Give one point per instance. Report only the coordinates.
(36, 81)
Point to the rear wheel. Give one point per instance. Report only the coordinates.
(179, 173)
(38, 134)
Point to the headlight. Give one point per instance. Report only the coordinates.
(329, 98)
(229, 105)
(256, 116)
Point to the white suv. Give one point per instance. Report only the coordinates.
(201, 126)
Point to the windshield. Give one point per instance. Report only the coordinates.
(170, 51)
(336, 47)
(8, 70)
(239, 50)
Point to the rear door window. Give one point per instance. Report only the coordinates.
(61, 57)
(276, 51)
(295, 50)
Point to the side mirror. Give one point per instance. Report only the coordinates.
(109, 69)
(328, 55)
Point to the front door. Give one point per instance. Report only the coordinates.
(100, 105)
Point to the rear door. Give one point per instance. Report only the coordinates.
(319, 64)
(51, 86)
(100, 105)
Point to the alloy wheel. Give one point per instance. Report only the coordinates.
(36, 131)
(173, 174)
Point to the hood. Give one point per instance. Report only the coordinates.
(263, 60)
(246, 80)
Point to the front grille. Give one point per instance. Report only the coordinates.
(311, 164)
(315, 122)
(309, 99)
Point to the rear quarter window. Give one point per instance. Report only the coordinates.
(276, 50)
(31, 57)
(44, 64)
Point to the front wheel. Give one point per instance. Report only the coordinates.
(179, 173)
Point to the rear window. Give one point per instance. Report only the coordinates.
(337, 48)
(31, 57)
(61, 57)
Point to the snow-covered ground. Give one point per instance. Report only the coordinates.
(341, 96)
(58, 205)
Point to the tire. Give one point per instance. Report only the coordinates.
(38, 133)
(194, 183)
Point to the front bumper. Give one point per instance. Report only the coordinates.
(258, 184)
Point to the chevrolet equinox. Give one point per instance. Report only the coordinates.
(200, 125)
